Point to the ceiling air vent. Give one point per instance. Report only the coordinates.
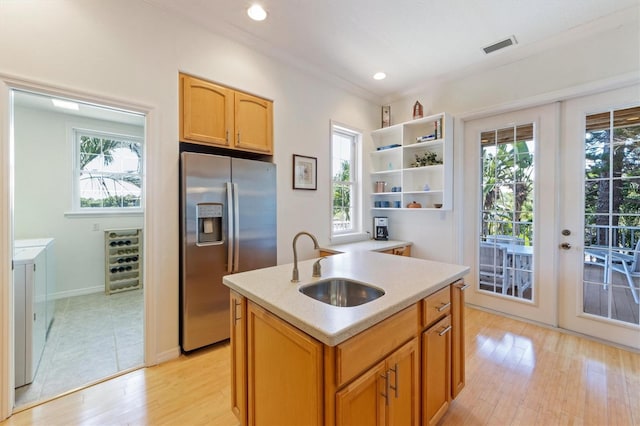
(500, 45)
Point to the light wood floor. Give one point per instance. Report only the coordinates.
(517, 374)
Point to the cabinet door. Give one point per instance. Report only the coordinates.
(253, 123)
(364, 401)
(457, 338)
(404, 385)
(436, 370)
(206, 112)
(238, 360)
(284, 364)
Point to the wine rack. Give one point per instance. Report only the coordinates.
(123, 260)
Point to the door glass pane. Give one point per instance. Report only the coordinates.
(611, 272)
(507, 184)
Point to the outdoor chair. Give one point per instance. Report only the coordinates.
(629, 265)
(493, 266)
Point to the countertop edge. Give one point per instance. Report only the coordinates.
(362, 318)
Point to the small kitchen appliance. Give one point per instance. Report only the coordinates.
(381, 228)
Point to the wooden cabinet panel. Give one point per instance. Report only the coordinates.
(206, 112)
(215, 115)
(436, 371)
(361, 402)
(253, 123)
(364, 349)
(238, 357)
(386, 394)
(404, 385)
(284, 365)
(436, 306)
(457, 338)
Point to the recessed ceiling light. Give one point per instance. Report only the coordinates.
(65, 104)
(379, 76)
(257, 13)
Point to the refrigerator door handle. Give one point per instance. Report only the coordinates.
(236, 229)
(230, 227)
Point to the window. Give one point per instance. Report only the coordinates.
(611, 270)
(506, 247)
(346, 201)
(108, 171)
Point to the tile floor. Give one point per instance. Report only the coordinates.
(92, 337)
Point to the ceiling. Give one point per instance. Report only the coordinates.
(415, 42)
(40, 101)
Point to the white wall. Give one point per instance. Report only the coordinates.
(129, 52)
(589, 58)
(43, 195)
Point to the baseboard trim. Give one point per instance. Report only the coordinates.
(169, 355)
(78, 292)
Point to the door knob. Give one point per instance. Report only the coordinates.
(565, 246)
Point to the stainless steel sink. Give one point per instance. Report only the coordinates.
(341, 292)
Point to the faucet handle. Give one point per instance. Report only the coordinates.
(316, 268)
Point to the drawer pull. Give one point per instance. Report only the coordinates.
(395, 372)
(445, 331)
(443, 307)
(385, 376)
(464, 287)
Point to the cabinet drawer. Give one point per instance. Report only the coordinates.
(365, 349)
(436, 306)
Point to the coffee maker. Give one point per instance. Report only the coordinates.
(380, 228)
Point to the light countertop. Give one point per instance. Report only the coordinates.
(367, 245)
(405, 280)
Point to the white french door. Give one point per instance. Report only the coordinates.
(512, 212)
(600, 155)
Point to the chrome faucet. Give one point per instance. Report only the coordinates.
(295, 278)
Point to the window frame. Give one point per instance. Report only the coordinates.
(356, 231)
(76, 208)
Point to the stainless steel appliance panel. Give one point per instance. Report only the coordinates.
(255, 186)
(204, 299)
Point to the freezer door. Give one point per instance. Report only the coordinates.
(204, 300)
(255, 185)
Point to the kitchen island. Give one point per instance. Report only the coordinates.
(398, 359)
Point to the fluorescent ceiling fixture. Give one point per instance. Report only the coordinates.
(379, 76)
(257, 13)
(65, 104)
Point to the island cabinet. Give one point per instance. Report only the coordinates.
(396, 372)
(238, 356)
(212, 114)
(457, 337)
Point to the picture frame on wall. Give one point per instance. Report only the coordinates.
(305, 172)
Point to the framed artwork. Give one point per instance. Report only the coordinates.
(305, 172)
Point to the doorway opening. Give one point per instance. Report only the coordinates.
(78, 290)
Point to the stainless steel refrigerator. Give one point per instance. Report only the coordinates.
(228, 224)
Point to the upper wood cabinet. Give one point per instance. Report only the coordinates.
(253, 123)
(215, 115)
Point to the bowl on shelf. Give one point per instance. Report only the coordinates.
(437, 205)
